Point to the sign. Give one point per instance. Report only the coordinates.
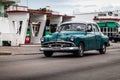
(110, 13)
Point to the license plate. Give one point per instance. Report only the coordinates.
(56, 47)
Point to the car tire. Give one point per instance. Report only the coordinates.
(80, 52)
(103, 50)
(47, 53)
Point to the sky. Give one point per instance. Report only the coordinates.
(73, 6)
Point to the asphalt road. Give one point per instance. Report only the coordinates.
(62, 66)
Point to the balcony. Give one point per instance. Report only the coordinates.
(17, 8)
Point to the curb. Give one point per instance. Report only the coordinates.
(113, 48)
(36, 53)
(28, 54)
(5, 53)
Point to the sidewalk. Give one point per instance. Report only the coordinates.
(22, 50)
(114, 45)
(34, 49)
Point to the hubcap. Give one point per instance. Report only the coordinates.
(81, 50)
(104, 48)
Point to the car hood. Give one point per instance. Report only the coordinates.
(63, 35)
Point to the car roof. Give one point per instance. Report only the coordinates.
(85, 22)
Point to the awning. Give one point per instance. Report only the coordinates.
(102, 24)
(108, 24)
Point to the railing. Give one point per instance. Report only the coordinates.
(3, 18)
(17, 8)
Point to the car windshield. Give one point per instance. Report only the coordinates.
(72, 27)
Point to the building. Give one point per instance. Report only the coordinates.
(4, 22)
(108, 21)
(27, 26)
(4, 4)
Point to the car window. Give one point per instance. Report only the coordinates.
(78, 27)
(89, 28)
(64, 27)
(72, 27)
(95, 28)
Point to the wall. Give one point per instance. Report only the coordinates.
(65, 19)
(85, 17)
(4, 28)
(14, 23)
(37, 18)
(56, 20)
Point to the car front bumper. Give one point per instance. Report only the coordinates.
(59, 49)
(56, 46)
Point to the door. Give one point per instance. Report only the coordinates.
(91, 39)
(97, 35)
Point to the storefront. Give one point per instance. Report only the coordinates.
(109, 28)
(44, 23)
(109, 21)
(6, 36)
(27, 26)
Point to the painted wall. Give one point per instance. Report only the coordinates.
(15, 20)
(56, 20)
(4, 28)
(85, 17)
(65, 19)
(42, 20)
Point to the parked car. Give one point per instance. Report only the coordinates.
(75, 37)
(115, 38)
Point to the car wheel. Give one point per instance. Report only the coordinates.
(80, 52)
(103, 50)
(48, 54)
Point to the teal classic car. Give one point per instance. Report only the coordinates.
(75, 37)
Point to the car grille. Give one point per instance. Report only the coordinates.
(58, 44)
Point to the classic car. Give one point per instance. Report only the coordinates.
(75, 37)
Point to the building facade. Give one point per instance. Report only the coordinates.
(108, 21)
(27, 26)
(4, 22)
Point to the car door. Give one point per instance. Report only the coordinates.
(91, 39)
(97, 35)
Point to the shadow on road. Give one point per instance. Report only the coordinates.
(70, 55)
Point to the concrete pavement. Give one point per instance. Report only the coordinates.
(21, 50)
(34, 49)
(61, 67)
(114, 45)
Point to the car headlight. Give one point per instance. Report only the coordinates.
(42, 39)
(72, 38)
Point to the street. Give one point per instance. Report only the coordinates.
(62, 66)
